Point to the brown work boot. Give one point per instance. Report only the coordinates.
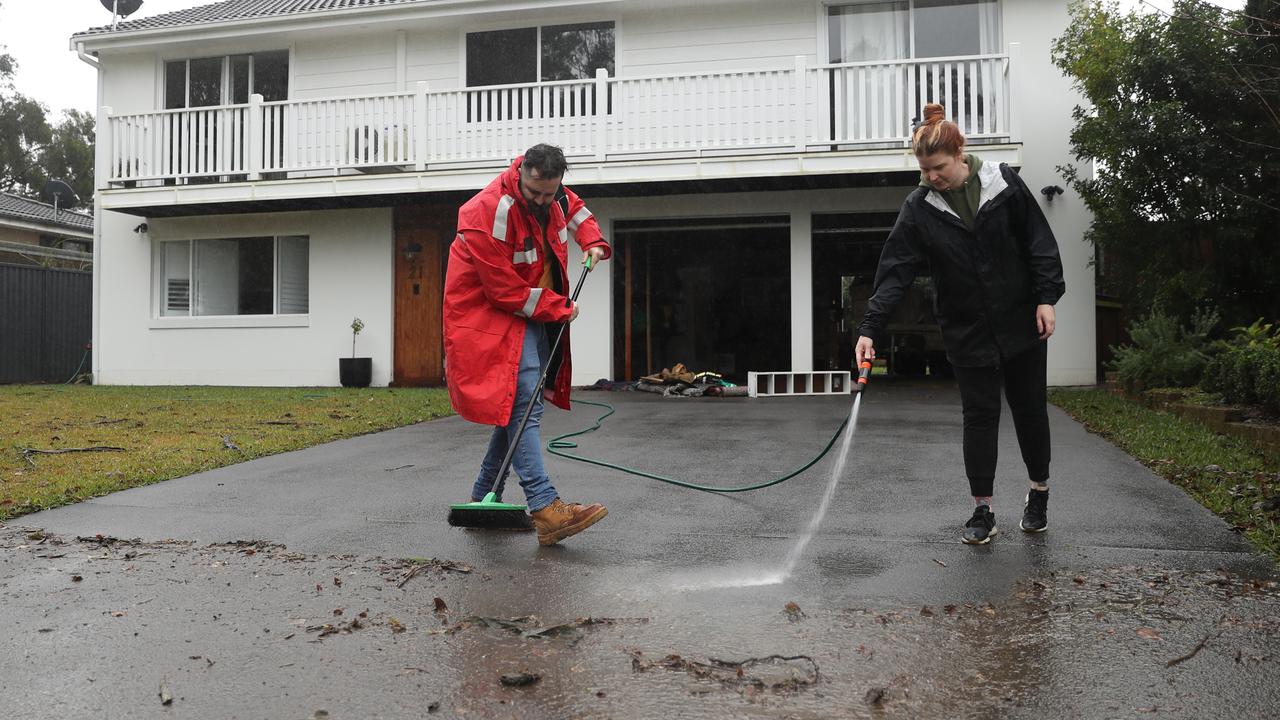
(559, 520)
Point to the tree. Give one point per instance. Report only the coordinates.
(23, 129)
(69, 154)
(1182, 122)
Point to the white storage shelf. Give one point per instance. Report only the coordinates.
(793, 382)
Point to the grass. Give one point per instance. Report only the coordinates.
(1224, 474)
(168, 432)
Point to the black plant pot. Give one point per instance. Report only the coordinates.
(355, 372)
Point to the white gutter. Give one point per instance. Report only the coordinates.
(87, 58)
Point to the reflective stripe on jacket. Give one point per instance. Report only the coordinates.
(490, 292)
(988, 281)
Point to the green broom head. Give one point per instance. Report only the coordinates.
(490, 514)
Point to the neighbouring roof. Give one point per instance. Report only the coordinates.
(232, 10)
(20, 208)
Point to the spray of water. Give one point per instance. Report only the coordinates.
(837, 471)
(793, 557)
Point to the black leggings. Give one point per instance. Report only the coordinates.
(1024, 380)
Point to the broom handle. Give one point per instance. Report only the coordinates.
(542, 381)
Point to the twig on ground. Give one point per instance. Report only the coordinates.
(28, 452)
(1199, 646)
(409, 575)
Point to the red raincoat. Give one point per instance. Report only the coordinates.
(491, 290)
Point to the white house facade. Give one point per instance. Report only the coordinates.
(269, 170)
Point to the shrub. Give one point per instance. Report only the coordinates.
(1164, 353)
(1246, 371)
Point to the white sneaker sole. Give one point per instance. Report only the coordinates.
(984, 541)
(1025, 500)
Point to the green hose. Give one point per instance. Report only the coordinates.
(558, 443)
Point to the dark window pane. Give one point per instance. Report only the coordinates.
(502, 57)
(946, 28)
(573, 52)
(256, 275)
(271, 75)
(206, 82)
(175, 85)
(238, 93)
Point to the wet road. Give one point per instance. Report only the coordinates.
(1136, 602)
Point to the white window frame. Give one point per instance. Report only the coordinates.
(824, 19)
(275, 319)
(462, 44)
(224, 88)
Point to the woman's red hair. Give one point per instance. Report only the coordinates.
(936, 135)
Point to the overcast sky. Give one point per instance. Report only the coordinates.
(37, 34)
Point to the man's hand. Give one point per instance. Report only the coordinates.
(864, 350)
(595, 254)
(1045, 320)
(573, 314)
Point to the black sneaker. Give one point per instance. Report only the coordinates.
(1034, 513)
(980, 528)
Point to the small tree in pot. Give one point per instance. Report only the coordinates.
(355, 371)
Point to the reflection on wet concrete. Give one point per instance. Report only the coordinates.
(1066, 642)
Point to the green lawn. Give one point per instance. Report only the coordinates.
(1224, 474)
(168, 432)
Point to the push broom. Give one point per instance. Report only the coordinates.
(489, 513)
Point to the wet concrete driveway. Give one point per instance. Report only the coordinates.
(325, 583)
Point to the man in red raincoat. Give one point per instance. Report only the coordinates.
(505, 297)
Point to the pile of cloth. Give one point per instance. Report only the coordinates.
(680, 381)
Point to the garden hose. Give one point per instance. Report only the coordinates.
(558, 444)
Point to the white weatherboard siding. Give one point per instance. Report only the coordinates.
(351, 276)
(714, 36)
(346, 65)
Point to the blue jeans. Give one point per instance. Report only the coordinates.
(527, 461)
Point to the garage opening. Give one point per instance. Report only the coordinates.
(711, 293)
(846, 250)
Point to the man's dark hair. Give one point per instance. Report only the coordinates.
(548, 160)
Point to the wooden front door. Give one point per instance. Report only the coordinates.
(423, 234)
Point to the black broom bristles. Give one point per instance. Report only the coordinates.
(490, 514)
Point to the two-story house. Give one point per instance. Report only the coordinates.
(269, 169)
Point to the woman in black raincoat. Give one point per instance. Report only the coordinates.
(994, 261)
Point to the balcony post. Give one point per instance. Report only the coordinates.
(602, 112)
(420, 126)
(1013, 98)
(254, 165)
(105, 161)
(798, 106)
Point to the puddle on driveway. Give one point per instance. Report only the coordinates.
(253, 617)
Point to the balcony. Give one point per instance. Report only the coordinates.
(798, 111)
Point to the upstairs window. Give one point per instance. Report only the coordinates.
(226, 80)
(905, 29)
(547, 53)
(524, 56)
(234, 276)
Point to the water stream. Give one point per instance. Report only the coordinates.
(793, 557)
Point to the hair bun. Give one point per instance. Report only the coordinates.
(934, 113)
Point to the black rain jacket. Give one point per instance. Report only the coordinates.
(988, 280)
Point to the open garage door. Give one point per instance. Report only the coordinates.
(712, 293)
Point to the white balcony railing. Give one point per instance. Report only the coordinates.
(795, 109)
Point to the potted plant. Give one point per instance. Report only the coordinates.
(355, 371)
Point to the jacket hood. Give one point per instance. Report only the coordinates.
(511, 180)
(989, 178)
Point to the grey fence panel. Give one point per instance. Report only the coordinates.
(46, 322)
